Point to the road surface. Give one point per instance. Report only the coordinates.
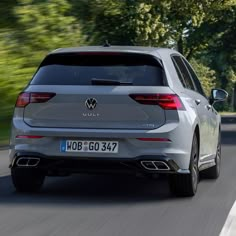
(112, 206)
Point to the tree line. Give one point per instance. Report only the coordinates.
(204, 31)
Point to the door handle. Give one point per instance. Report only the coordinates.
(197, 101)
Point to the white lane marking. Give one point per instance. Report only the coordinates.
(229, 228)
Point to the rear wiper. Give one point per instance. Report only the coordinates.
(109, 82)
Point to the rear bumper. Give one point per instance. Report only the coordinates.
(130, 146)
(56, 165)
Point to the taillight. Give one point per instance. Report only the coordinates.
(37, 97)
(166, 101)
(40, 97)
(23, 100)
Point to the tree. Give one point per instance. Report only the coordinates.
(40, 26)
(204, 31)
(45, 25)
(151, 22)
(206, 76)
(9, 87)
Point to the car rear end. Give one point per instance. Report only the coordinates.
(97, 112)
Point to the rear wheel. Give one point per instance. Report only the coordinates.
(186, 184)
(27, 180)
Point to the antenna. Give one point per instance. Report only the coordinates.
(106, 44)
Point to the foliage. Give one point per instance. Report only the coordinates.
(44, 25)
(12, 78)
(206, 76)
(39, 27)
(204, 31)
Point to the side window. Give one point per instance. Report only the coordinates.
(179, 73)
(195, 78)
(184, 72)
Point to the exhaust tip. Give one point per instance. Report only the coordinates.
(27, 161)
(149, 165)
(161, 165)
(155, 165)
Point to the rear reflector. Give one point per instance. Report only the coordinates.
(37, 97)
(29, 136)
(155, 139)
(166, 101)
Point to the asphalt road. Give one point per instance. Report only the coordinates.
(111, 206)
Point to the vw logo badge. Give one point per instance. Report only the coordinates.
(91, 103)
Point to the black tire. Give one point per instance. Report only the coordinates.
(185, 185)
(214, 171)
(27, 180)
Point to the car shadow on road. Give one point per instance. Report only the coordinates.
(89, 190)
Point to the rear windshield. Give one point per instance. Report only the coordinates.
(83, 69)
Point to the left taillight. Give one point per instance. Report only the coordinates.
(36, 97)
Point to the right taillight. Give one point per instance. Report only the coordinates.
(166, 101)
(37, 97)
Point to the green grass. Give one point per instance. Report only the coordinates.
(228, 113)
(4, 132)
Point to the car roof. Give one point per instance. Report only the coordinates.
(131, 49)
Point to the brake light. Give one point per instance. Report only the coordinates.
(23, 100)
(99, 53)
(166, 101)
(40, 97)
(37, 97)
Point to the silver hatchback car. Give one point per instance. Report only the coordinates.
(115, 109)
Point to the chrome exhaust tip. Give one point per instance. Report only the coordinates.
(27, 161)
(149, 165)
(161, 165)
(155, 165)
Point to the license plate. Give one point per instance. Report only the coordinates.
(89, 146)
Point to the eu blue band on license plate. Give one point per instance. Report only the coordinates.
(63, 146)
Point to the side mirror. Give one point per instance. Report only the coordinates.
(218, 95)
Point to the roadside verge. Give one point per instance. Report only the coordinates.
(4, 147)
